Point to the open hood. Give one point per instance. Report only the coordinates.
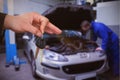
(68, 16)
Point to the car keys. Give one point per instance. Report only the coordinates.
(40, 42)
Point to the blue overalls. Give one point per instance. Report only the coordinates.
(110, 43)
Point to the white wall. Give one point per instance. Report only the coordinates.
(109, 13)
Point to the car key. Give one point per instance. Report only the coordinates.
(40, 42)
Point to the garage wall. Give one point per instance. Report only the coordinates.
(108, 13)
(1, 5)
(22, 6)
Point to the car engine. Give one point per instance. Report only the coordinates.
(73, 45)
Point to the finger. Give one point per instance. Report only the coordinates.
(47, 30)
(34, 30)
(43, 25)
(53, 28)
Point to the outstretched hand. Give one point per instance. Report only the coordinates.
(30, 22)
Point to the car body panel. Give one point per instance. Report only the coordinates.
(53, 70)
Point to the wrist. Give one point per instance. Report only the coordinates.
(7, 21)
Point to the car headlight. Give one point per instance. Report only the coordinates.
(54, 56)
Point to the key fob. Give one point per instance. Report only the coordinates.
(41, 43)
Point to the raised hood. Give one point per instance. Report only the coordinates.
(67, 16)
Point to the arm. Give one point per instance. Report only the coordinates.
(30, 22)
(2, 18)
(104, 35)
(94, 37)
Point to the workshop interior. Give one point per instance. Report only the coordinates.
(71, 55)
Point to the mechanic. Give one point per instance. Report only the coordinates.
(110, 42)
(29, 22)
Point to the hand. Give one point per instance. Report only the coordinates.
(30, 22)
(99, 49)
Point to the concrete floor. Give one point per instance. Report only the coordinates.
(10, 73)
(25, 71)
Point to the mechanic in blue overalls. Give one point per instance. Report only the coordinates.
(110, 42)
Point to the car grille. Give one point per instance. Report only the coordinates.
(82, 68)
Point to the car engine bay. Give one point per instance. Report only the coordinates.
(68, 45)
(73, 45)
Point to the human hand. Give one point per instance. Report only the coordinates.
(98, 49)
(30, 22)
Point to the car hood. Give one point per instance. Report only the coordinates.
(68, 16)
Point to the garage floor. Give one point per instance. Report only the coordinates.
(10, 73)
(25, 71)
